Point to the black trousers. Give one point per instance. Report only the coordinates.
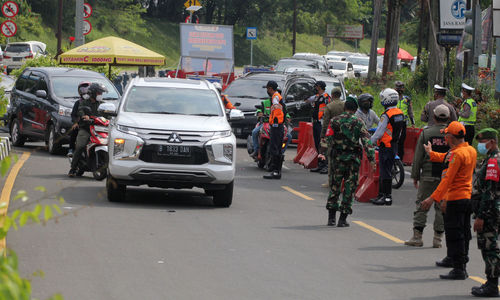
(469, 133)
(401, 143)
(72, 138)
(317, 134)
(457, 230)
(276, 143)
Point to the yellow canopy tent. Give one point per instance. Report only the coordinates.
(113, 51)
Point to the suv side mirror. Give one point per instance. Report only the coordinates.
(107, 109)
(236, 114)
(289, 98)
(41, 94)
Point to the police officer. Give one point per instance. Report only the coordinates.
(439, 94)
(95, 91)
(345, 152)
(319, 102)
(468, 112)
(406, 106)
(487, 193)
(426, 176)
(387, 138)
(276, 121)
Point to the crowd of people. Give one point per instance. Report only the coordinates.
(444, 170)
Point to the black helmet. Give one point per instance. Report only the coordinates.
(321, 84)
(365, 101)
(96, 88)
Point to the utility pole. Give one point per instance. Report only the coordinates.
(377, 9)
(294, 38)
(59, 29)
(79, 38)
(390, 13)
(420, 31)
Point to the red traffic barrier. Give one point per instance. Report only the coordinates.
(368, 180)
(306, 150)
(300, 143)
(412, 135)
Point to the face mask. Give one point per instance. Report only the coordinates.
(85, 96)
(481, 148)
(366, 105)
(98, 98)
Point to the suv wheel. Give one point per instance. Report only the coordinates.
(15, 133)
(224, 198)
(52, 145)
(116, 191)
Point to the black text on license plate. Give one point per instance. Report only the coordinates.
(17, 58)
(172, 150)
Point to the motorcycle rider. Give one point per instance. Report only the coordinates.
(276, 120)
(365, 111)
(225, 100)
(261, 113)
(95, 91)
(82, 91)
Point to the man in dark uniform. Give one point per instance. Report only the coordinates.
(276, 122)
(485, 203)
(319, 102)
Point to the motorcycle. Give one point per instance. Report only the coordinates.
(95, 157)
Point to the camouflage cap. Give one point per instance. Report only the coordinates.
(487, 133)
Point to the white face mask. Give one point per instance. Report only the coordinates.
(85, 96)
(98, 98)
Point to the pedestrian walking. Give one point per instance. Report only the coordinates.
(319, 102)
(365, 111)
(276, 121)
(454, 193)
(468, 112)
(485, 204)
(406, 107)
(387, 138)
(426, 176)
(345, 152)
(439, 94)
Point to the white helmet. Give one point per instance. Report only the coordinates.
(218, 86)
(389, 97)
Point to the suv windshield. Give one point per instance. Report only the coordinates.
(242, 88)
(360, 61)
(337, 65)
(282, 65)
(18, 48)
(67, 87)
(179, 101)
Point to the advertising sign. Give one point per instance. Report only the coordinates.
(452, 14)
(207, 41)
(345, 31)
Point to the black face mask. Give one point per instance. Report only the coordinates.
(269, 93)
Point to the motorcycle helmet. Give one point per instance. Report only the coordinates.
(96, 88)
(389, 97)
(365, 101)
(83, 87)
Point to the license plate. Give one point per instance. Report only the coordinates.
(17, 58)
(172, 150)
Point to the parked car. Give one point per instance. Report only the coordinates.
(361, 64)
(248, 91)
(341, 69)
(41, 104)
(15, 54)
(305, 62)
(171, 133)
(299, 87)
(330, 58)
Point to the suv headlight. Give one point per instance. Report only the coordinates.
(126, 144)
(126, 129)
(221, 134)
(64, 111)
(221, 148)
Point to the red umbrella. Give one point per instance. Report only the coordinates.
(402, 54)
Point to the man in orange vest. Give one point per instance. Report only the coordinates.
(319, 102)
(276, 122)
(454, 193)
(387, 137)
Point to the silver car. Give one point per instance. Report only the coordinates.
(16, 54)
(171, 133)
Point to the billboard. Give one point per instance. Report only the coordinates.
(452, 14)
(207, 41)
(345, 31)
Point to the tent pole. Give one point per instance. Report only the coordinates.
(109, 72)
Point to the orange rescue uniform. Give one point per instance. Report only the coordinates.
(456, 181)
(227, 103)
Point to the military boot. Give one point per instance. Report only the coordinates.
(342, 221)
(436, 241)
(446, 262)
(416, 240)
(488, 289)
(457, 273)
(331, 217)
(380, 200)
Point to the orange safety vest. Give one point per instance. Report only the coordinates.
(227, 103)
(277, 115)
(322, 105)
(396, 116)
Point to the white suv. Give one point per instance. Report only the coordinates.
(171, 133)
(15, 54)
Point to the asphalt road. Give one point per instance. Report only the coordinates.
(270, 244)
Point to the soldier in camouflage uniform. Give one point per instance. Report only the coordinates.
(345, 155)
(485, 202)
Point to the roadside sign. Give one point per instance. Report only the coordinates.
(347, 31)
(87, 27)
(190, 3)
(326, 41)
(87, 10)
(448, 39)
(10, 9)
(8, 28)
(452, 14)
(251, 33)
